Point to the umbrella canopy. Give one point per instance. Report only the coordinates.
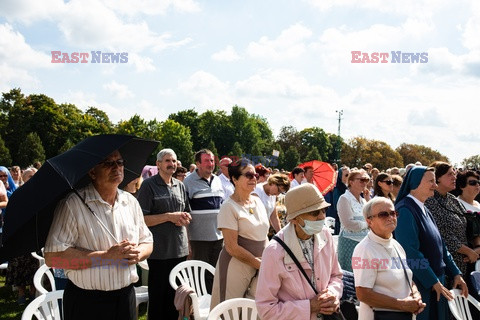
(29, 212)
(324, 175)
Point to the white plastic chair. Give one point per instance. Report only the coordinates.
(44, 270)
(477, 265)
(41, 260)
(330, 224)
(459, 306)
(192, 273)
(235, 309)
(44, 307)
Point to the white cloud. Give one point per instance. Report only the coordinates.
(152, 7)
(228, 54)
(120, 91)
(289, 44)
(29, 11)
(429, 117)
(206, 90)
(142, 64)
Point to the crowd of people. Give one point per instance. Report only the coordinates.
(404, 234)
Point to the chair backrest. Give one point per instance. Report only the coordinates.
(191, 273)
(330, 224)
(235, 309)
(459, 305)
(41, 260)
(44, 270)
(44, 307)
(477, 265)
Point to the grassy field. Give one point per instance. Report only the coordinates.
(9, 309)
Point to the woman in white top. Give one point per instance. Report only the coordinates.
(268, 192)
(468, 187)
(353, 226)
(244, 225)
(380, 268)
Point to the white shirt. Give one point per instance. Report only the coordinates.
(469, 207)
(294, 183)
(268, 201)
(374, 268)
(354, 226)
(419, 203)
(227, 185)
(74, 226)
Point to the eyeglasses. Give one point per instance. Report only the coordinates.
(470, 182)
(385, 214)
(364, 180)
(388, 182)
(3, 176)
(250, 175)
(112, 163)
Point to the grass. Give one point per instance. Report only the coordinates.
(9, 309)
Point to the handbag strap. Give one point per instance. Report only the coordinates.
(404, 271)
(290, 253)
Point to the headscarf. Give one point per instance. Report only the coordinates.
(340, 188)
(411, 181)
(11, 184)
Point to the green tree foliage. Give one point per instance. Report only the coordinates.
(412, 153)
(30, 151)
(5, 159)
(360, 150)
(177, 137)
(472, 162)
(216, 126)
(313, 154)
(190, 119)
(236, 150)
(288, 136)
(66, 146)
(315, 138)
(335, 153)
(290, 159)
(211, 147)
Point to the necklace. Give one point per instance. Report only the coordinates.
(247, 204)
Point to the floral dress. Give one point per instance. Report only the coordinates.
(450, 218)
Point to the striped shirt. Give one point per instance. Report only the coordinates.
(205, 198)
(74, 226)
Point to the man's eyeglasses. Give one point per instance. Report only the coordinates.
(385, 214)
(470, 182)
(250, 175)
(388, 182)
(112, 163)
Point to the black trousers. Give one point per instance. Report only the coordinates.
(207, 251)
(84, 304)
(160, 293)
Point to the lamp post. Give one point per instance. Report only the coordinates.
(339, 144)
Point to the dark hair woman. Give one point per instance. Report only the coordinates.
(383, 186)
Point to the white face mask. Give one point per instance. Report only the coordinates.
(312, 227)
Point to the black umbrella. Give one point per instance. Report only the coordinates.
(29, 212)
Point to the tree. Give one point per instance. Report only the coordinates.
(313, 154)
(288, 136)
(360, 150)
(291, 158)
(335, 153)
(134, 126)
(472, 162)
(236, 150)
(190, 119)
(5, 159)
(315, 137)
(66, 146)
(177, 137)
(211, 147)
(31, 150)
(412, 153)
(215, 126)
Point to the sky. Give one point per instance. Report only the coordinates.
(289, 61)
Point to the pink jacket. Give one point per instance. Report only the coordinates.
(282, 290)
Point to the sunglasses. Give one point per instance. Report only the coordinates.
(388, 182)
(250, 175)
(385, 214)
(113, 163)
(470, 182)
(365, 180)
(3, 176)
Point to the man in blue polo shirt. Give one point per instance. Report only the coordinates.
(205, 193)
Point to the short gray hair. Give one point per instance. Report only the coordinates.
(367, 209)
(164, 152)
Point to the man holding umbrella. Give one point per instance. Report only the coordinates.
(98, 235)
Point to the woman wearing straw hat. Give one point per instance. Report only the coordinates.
(311, 287)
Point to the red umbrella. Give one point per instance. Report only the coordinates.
(324, 175)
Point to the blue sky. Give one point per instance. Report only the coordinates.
(289, 61)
